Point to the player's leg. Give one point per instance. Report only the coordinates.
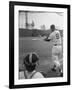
(55, 60)
(60, 52)
(56, 63)
(60, 58)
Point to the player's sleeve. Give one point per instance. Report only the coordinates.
(50, 36)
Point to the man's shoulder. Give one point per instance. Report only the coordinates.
(57, 31)
(38, 75)
(52, 33)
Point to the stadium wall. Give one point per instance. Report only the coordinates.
(35, 32)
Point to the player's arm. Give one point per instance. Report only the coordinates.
(47, 39)
(50, 37)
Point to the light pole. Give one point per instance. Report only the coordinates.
(26, 22)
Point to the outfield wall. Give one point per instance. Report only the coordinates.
(35, 32)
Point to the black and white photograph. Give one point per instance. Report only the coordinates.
(40, 44)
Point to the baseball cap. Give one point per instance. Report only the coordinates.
(31, 59)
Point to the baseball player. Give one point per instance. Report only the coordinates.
(55, 38)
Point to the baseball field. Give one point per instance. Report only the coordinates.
(42, 48)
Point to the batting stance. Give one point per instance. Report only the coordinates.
(55, 38)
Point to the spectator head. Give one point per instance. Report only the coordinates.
(30, 61)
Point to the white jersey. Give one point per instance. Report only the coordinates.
(29, 75)
(55, 37)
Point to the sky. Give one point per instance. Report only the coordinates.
(42, 18)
